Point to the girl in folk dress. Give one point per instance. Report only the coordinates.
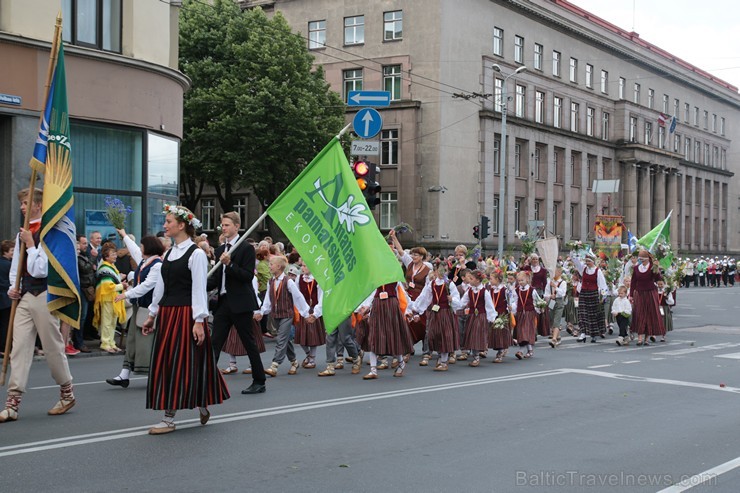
(525, 331)
(437, 300)
(571, 305)
(233, 346)
(646, 318)
(387, 330)
(183, 372)
(555, 296)
(462, 319)
(590, 311)
(665, 301)
(308, 334)
(500, 338)
(539, 279)
(283, 296)
(478, 306)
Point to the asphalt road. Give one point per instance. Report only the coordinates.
(584, 417)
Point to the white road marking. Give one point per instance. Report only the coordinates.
(656, 359)
(76, 384)
(700, 349)
(728, 356)
(703, 477)
(686, 315)
(664, 381)
(598, 366)
(630, 362)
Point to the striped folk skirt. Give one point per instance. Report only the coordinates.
(500, 338)
(182, 374)
(476, 332)
(310, 335)
(525, 331)
(543, 322)
(667, 318)
(608, 309)
(361, 329)
(571, 311)
(646, 319)
(442, 331)
(590, 313)
(234, 346)
(388, 332)
(418, 329)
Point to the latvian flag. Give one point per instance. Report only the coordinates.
(662, 119)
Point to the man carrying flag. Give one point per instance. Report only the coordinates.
(50, 266)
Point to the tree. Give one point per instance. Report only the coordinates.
(258, 111)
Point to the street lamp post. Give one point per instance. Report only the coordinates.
(502, 164)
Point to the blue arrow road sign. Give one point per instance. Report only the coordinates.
(367, 123)
(369, 98)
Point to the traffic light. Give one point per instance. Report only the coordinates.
(476, 231)
(485, 230)
(372, 190)
(361, 170)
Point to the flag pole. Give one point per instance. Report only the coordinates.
(26, 221)
(241, 239)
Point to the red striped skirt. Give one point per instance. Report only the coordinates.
(543, 322)
(418, 329)
(361, 330)
(476, 332)
(234, 346)
(182, 375)
(307, 334)
(646, 318)
(500, 338)
(525, 331)
(442, 331)
(388, 332)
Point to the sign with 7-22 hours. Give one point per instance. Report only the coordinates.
(365, 148)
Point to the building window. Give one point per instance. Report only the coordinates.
(558, 172)
(574, 116)
(589, 76)
(605, 125)
(665, 103)
(537, 205)
(389, 147)
(633, 129)
(240, 207)
(706, 119)
(636, 94)
(94, 23)
(496, 157)
(575, 178)
(556, 63)
(538, 51)
(687, 149)
(494, 219)
(590, 112)
(697, 152)
(715, 156)
(676, 107)
(393, 25)
(316, 34)
(648, 133)
(518, 160)
(354, 30)
(498, 41)
(622, 84)
(518, 49)
(392, 81)
(589, 170)
(573, 70)
(604, 82)
(388, 210)
(651, 97)
(722, 126)
(686, 112)
(498, 90)
(207, 214)
(555, 218)
(707, 162)
(676, 143)
(696, 116)
(539, 107)
(517, 209)
(714, 123)
(661, 137)
(557, 112)
(572, 214)
(520, 101)
(723, 163)
(352, 81)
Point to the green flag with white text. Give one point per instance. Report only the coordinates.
(325, 216)
(658, 242)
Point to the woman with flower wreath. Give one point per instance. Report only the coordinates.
(183, 372)
(593, 284)
(539, 280)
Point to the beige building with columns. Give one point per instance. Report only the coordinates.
(588, 107)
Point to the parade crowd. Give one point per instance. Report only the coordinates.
(180, 320)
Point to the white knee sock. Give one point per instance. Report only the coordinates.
(125, 372)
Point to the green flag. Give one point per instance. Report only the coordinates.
(659, 238)
(325, 216)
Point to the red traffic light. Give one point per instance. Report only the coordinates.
(361, 168)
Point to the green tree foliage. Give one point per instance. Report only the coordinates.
(258, 111)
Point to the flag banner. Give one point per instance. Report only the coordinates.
(672, 128)
(631, 241)
(326, 218)
(658, 242)
(662, 119)
(51, 156)
(608, 235)
(548, 249)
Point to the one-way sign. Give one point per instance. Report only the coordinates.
(367, 123)
(369, 98)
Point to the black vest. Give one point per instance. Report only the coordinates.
(178, 280)
(30, 284)
(140, 276)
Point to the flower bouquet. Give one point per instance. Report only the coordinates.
(663, 250)
(576, 246)
(613, 271)
(528, 243)
(540, 304)
(116, 212)
(501, 321)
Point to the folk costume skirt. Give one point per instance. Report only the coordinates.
(442, 331)
(667, 318)
(500, 338)
(388, 332)
(476, 332)
(571, 311)
(234, 346)
(313, 334)
(525, 331)
(182, 374)
(590, 313)
(646, 319)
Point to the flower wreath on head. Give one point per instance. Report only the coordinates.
(183, 214)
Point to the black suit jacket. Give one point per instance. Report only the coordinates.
(239, 275)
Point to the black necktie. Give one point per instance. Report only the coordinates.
(228, 246)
